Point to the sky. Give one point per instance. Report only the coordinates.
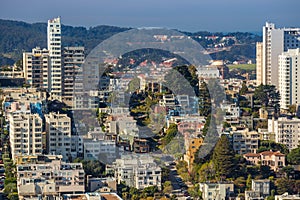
(185, 15)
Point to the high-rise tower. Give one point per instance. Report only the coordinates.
(55, 51)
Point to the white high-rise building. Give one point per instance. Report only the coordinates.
(55, 51)
(289, 80)
(259, 63)
(25, 133)
(275, 42)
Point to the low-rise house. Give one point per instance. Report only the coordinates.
(260, 190)
(275, 160)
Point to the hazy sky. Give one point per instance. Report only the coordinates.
(189, 15)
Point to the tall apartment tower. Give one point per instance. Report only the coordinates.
(36, 68)
(55, 51)
(276, 41)
(73, 58)
(58, 134)
(259, 63)
(289, 78)
(25, 133)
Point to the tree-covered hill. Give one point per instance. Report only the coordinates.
(16, 37)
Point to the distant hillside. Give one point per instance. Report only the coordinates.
(16, 37)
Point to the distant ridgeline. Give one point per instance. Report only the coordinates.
(16, 37)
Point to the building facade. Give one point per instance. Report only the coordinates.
(137, 171)
(216, 191)
(288, 78)
(58, 129)
(286, 131)
(50, 180)
(36, 66)
(275, 160)
(73, 58)
(275, 42)
(25, 133)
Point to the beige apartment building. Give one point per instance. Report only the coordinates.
(25, 132)
(73, 58)
(49, 180)
(58, 129)
(36, 67)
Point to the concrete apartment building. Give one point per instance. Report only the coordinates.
(275, 160)
(287, 131)
(216, 191)
(25, 133)
(58, 129)
(139, 171)
(260, 189)
(49, 179)
(288, 78)
(275, 42)
(104, 150)
(55, 53)
(245, 141)
(73, 58)
(36, 67)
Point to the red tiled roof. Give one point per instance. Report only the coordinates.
(270, 153)
(251, 155)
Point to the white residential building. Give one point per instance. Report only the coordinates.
(216, 191)
(58, 129)
(259, 63)
(25, 133)
(275, 42)
(50, 180)
(55, 53)
(139, 171)
(36, 66)
(287, 131)
(103, 150)
(289, 78)
(261, 186)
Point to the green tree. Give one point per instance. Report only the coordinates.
(224, 158)
(204, 100)
(167, 187)
(249, 182)
(294, 156)
(267, 95)
(292, 109)
(244, 89)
